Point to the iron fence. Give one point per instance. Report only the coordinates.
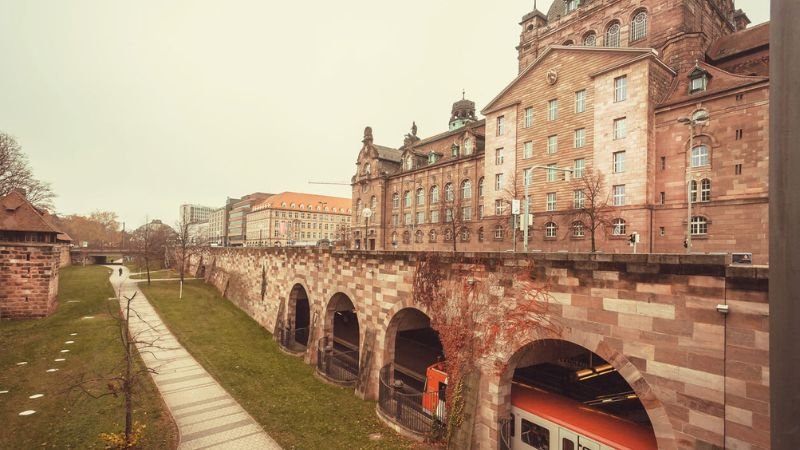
(292, 339)
(337, 365)
(420, 412)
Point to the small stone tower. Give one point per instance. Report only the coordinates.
(463, 113)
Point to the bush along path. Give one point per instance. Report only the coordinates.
(206, 415)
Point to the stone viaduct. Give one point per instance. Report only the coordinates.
(702, 376)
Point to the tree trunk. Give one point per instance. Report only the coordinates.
(128, 383)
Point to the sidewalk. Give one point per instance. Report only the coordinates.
(206, 416)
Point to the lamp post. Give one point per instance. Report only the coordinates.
(700, 118)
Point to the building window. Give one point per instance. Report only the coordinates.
(373, 203)
(359, 207)
(550, 230)
(418, 236)
(618, 227)
(663, 163)
(700, 156)
(619, 128)
(551, 201)
(552, 144)
(448, 215)
(480, 212)
(528, 117)
(578, 198)
(420, 217)
(619, 162)
(699, 225)
(739, 134)
(662, 197)
(698, 84)
(498, 157)
(434, 216)
(499, 232)
(448, 192)
(527, 176)
(619, 195)
(580, 166)
(406, 237)
(580, 137)
(432, 235)
(395, 220)
(407, 219)
(705, 190)
(612, 35)
(737, 169)
(432, 157)
(409, 163)
(498, 207)
(577, 229)
(434, 195)
(639, 26)
(527, 150)
(620, 89)
(480, 187)
(739, 98)
(590, 40)
(466, 189)
(420, 197)
(580, 101)
(481, 236)
(464, 234)
(448, 235)
(552, 109)
(498, 182)
(551, 173)
(571, 5)
(467, 146)
(501, 124)
(407, 199)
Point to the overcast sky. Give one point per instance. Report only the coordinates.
(137, 107)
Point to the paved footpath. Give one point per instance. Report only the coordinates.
(206, 415)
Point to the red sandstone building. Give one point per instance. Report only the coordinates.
(32, 250)
(622, 111)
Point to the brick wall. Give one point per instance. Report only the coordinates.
(702, 376)
(29, 279)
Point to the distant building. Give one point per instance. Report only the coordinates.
(292, 218)
(32, 250)
(195, 213)
(198, 233)
(218, 223)
(237, 218)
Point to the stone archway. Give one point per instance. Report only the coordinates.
(338, 351)
(298, 319)
(534, 352)
(411, 346)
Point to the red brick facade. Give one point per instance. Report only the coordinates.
(29, 279)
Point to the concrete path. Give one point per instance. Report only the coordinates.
(207, 417)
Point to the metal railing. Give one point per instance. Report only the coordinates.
(420, 412)
(292, 339)
(339, 366)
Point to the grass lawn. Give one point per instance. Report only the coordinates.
(281, 392)
(158, 275)
(70, 419)
(138, 266)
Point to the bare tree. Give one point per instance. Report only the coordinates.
(594, 213)
(15, 173)
(456, 210)
(187, 245)
(152, 239)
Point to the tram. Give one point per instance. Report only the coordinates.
(541, 420)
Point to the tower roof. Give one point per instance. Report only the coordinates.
(463, 109)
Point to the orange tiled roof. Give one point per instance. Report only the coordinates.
(306, 202)
(18, 214)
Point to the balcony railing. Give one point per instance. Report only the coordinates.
(339, 366)
(419, 412)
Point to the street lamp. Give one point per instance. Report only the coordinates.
(699, 118)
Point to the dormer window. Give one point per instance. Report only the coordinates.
(571, 5)
(432, 157)
(454, 150)
(698, 80)
(409, 163)
(467, 146)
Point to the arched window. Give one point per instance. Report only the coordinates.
(612, 35)
(705, 190)
(464, 234)
(406, 237)
(569, 42)
(407, 199)
(448, 234)
(700, 156)
(420, 197)
(618, 227)
(448, 192)
(432, 235)
(699, 225)
(434, 195)
(499, 233)
(359, 207)
(693, 190)
(639, 26)
(394, 238)
(373, 203)
(480, 187)
(418, 236)
(395, 200)
(590, 39)
(466, 189)
(577, 229)
(550, 230)
(480, 234)
(367, 169)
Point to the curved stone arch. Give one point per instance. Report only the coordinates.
(388, 323)
(327, 319)
(290, 302)
(656, 412)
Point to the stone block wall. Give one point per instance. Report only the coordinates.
(29, 279)
(702, 376)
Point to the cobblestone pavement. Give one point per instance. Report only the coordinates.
(207, 417)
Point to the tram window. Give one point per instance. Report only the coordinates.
(513, 425)
(567, 444)
(534, 435)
